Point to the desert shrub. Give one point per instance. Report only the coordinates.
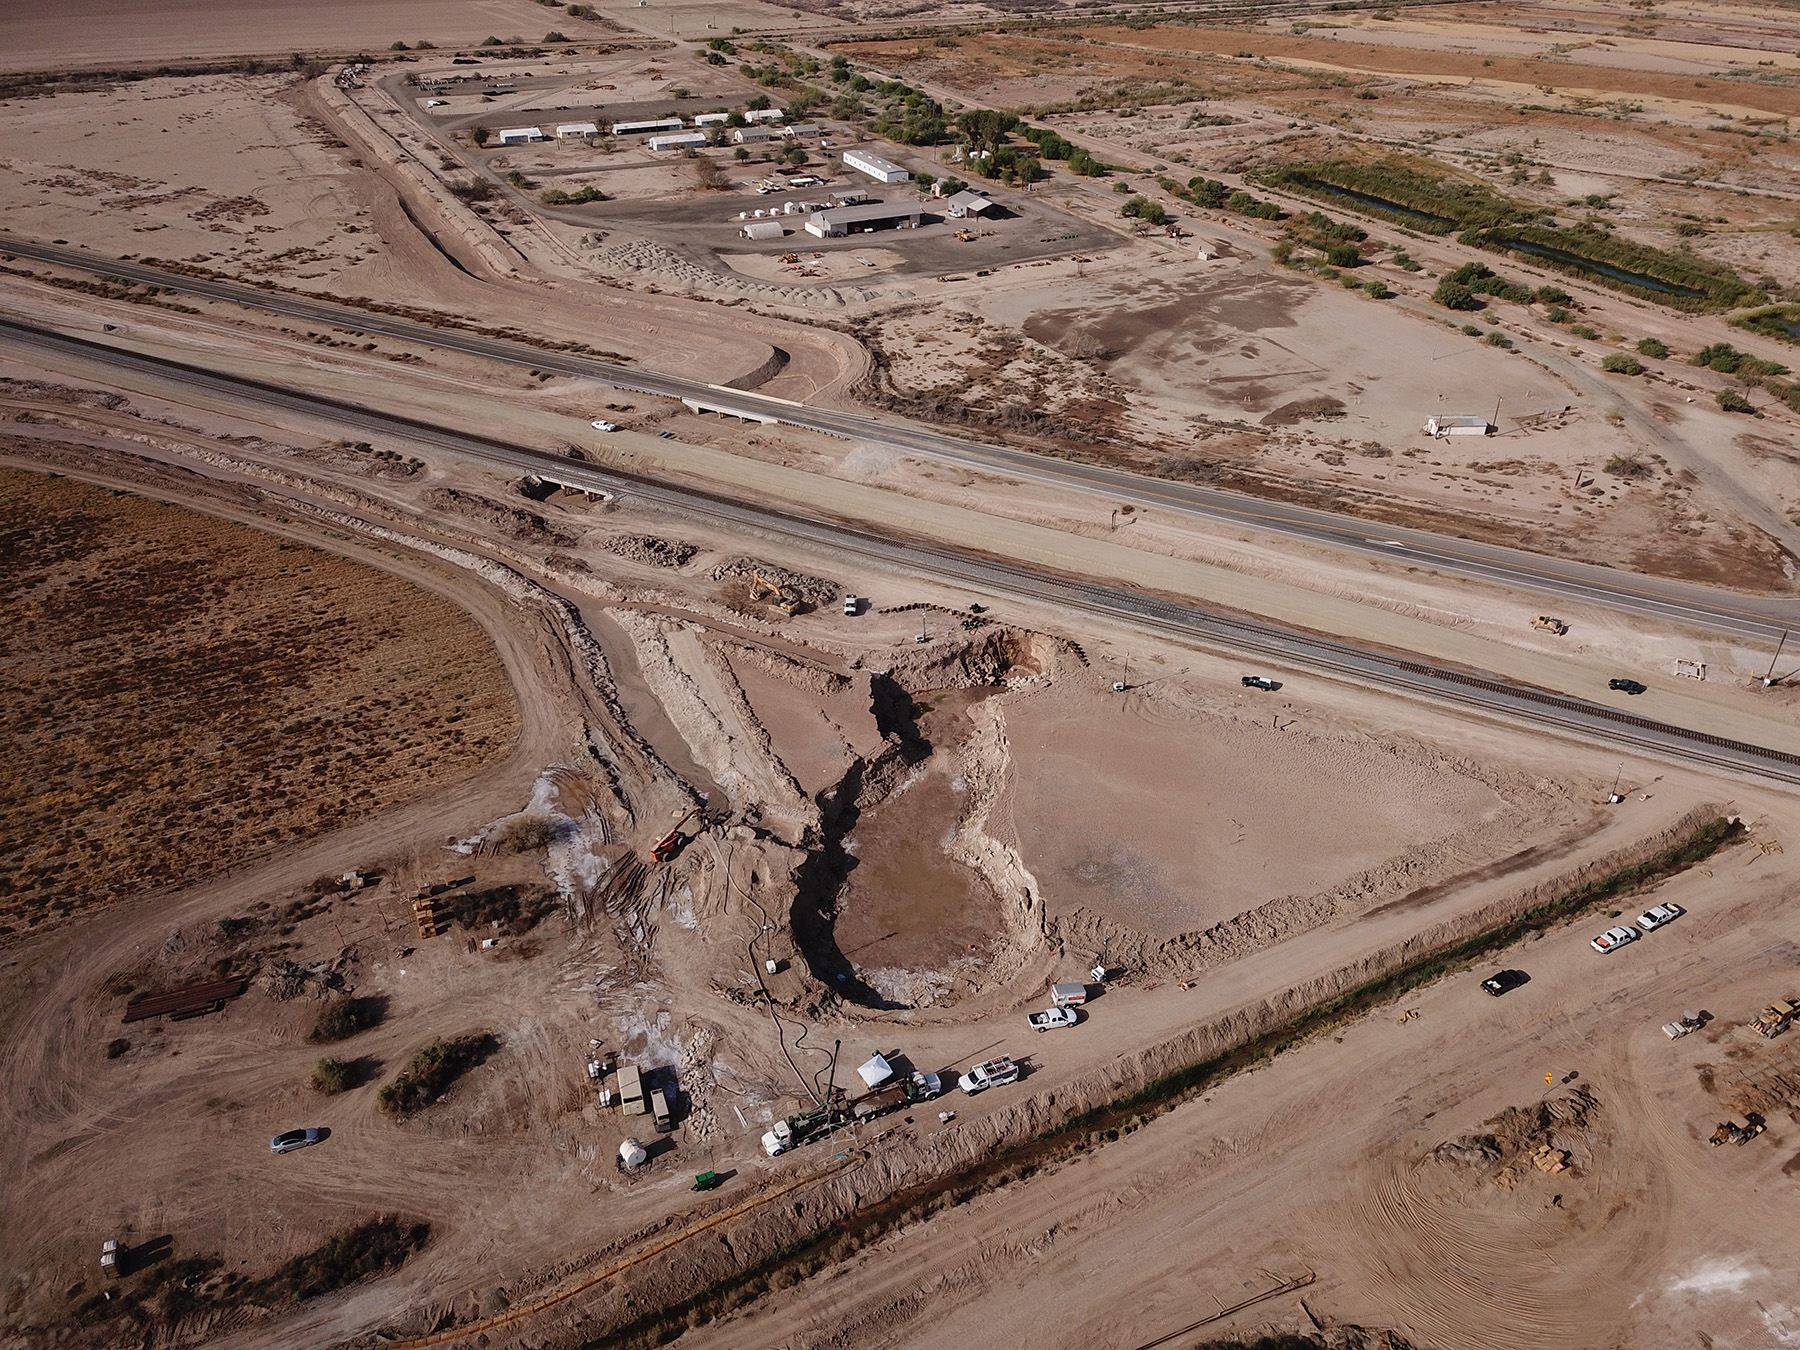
(1629, 467)
(1151, 213)
(1557, 314)
(1581, 330)
(557, 197)
(333, 1076)
(372, 1248)
(513, 910)
(432, 1071)
(526, 834)
(1622, 363)
(231, 927)
(1471, 330)
(1344, 255)
(1209, 192)
(1455, 295)
(1498, 340)
(1652, 347)
(1732, 401)
(342, 1017)
(1553, 295)
(1377, 288)
(479, 135)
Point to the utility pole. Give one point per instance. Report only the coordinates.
(1769, 677)
(1613, 798)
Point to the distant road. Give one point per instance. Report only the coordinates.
(1756, 618)
(992, 576)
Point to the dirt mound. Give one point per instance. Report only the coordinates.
(815, 679)
(1322, 408)
(516, 522)
(649, 549)
(39, 391)
(1544, 1135)
(814, 590)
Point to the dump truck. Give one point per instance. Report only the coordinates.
(1775, 1019)
(1550, 625)
(920, 1087)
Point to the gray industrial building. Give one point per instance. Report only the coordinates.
(842, 220)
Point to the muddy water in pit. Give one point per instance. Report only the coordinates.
(905, 903)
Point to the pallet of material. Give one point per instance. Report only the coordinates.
(193, 1001)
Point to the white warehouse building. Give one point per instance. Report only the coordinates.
(571, 130)
(684, 140)
(712, 119)
(764, 115)
(640, 128)
(882, 170)
(521, 135)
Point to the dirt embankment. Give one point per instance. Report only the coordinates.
(903, 1164)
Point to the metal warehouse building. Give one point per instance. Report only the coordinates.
(521, 135)
(639, 128)
(842, 220)
(570, 130)
(875, 166)
(685, 140)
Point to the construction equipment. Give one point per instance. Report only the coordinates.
(806, 1127)
(707, 1181)
(1738, 1130)
(966, 236)
(670, 844)
(1550, 625)
(784, 598)
(920, 1087)
(1689, 1023)
(1775, 1019)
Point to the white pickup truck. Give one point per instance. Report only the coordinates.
(994, 1073)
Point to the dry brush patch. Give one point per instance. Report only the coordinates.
(183, 692)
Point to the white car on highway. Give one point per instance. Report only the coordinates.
(1658, 915)
(601, 424)
(1614, 938)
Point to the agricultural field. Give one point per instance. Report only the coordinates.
(189, 695)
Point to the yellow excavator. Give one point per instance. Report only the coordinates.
(784, 598)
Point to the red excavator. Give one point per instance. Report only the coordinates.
(670, 844)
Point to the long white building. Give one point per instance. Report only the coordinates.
(882, 170)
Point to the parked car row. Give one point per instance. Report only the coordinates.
(1657, 916)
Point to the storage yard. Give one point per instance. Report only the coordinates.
(676, 687)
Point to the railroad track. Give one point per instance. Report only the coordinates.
(1476, 690)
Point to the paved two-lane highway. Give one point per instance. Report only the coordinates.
(1751, 617)
(1474, 690)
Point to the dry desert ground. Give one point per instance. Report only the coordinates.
(543, 661)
